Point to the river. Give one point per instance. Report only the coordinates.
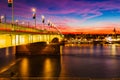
(76, 60)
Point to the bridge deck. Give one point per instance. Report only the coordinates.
(13, 35)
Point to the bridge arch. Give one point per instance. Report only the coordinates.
(57, 37)
(55, 40)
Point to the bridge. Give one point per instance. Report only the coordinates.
(14, 35)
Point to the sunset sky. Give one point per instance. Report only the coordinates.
(87, 16)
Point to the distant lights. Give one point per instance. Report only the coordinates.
(33, 9)
(109, 38)
(23, 22)
(2, 17)
(43, 18)
(16, 20)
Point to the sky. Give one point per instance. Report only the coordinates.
(69, 16)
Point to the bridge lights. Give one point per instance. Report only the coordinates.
(33, 9)
(43, 21)
(16, 21)
(23, 23)
(49, 25)
(10, 2)
(1, 18)
(34, 15)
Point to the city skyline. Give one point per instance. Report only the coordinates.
(74, 16)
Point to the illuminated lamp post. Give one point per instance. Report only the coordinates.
(49, 29)
(49, 25)
(1, 18)
(43, 21)
(16, 21)
(23, 23)
(11, 4)
(34, 15)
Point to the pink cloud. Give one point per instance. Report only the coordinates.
(86, 10)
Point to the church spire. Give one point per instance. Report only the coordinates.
(114, 30)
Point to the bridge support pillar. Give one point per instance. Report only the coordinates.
(38, 48)
(22, 50)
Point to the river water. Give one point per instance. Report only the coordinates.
(76, 60)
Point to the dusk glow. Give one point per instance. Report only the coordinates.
(70, 16)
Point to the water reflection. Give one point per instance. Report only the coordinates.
(48, 67)
(83, 64)
(24, 67)
(92, 50)
(7, 51)
(113, 49)
(6, 55)
(40, 66)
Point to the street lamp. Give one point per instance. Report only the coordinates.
(49, 25)
(16, 22)
(10, 4)
(43, 21)
(1, 18)
(34, 15)
(33, 9)
(23, 23)
(43, 18)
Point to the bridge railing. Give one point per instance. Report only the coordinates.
(20, 28)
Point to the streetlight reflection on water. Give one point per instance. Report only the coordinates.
(47, 67)
(24, 67)
(39, 67)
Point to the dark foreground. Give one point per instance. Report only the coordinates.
(77, 66)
